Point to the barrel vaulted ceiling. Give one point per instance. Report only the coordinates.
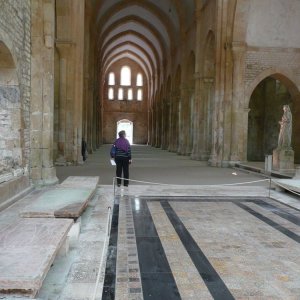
(146, 31)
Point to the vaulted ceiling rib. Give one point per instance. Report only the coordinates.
(145, 31)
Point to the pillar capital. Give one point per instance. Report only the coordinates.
(64, 47)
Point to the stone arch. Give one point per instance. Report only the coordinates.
(282, 75)
(144, 23)
(148, 63)
(12, 140)
(163, 18)
(265, 98)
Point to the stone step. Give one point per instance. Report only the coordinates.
(287, 184)
(81, 181)
(27, 250)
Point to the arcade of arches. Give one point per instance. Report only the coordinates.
(213, 78)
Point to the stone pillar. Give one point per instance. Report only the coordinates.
(66, 96)
(173, 145)
(197, 118)
(42, 86)
(182, 130)
(166, 123)
(197, 77)
(207, 116)
(239, 116)
(78, 33)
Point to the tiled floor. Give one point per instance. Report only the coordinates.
(203, 248)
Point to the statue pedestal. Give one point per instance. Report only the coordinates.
(283, 160)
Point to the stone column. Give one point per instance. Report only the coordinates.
(207, 116)
(174, 122)
(66, 97)
(42, 86)
(197, 118)
(239, 115)
(78, 34)
(165, 123)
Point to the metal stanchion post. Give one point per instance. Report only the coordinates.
(114, 186)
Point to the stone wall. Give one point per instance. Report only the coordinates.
(14, 85)
(261, 59)
(132, 110)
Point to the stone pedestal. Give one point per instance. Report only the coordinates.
(283, 161)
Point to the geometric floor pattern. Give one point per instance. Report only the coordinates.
(203, 248)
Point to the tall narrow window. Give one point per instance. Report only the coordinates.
(139, 94)
(125, 76)
(110, 93)
(120, 94)
(130, 94)
(111, 78)
(139, 79)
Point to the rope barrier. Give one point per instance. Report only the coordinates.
(207, 185)
(166, 184)
(103, 251)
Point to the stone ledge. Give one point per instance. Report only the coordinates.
(11, 189)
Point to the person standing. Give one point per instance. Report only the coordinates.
(121, 153)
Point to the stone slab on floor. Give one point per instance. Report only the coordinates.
(81, 181)
(27, 250)
(59, 202)
(288, 184)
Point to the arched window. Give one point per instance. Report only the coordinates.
(120, 94)
(130, 94)
(110, 93)
(111, 78)
(139, 94)
(125, 76)
(139, 79)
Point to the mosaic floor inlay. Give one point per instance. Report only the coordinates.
(204, 248)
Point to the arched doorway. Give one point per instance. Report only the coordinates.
(12, 140)
(128, 127)
(265, 111)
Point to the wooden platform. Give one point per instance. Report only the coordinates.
(27, 250)
(67, 200)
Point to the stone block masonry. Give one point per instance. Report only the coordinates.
(15, 35)
(261, 59)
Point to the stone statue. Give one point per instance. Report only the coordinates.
(285, 133)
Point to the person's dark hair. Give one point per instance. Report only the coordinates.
(122, 133)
